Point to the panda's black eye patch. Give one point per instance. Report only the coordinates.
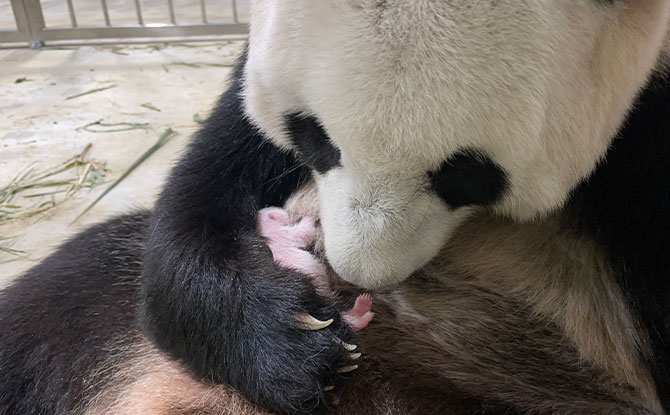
(312, 142)
(469, 178)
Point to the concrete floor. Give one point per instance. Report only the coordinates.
(38, 124)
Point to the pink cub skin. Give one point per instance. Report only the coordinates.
(288, 242)
(361, 314)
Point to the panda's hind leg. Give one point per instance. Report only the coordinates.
(150, 383)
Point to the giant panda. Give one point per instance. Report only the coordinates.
(411, 116)
(508, 318)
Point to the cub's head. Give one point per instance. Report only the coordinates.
(412, 112)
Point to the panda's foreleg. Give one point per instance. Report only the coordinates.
(212, 297)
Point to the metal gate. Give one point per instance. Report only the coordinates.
(31, 28)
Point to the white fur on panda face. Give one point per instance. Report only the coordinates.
(378, 230)
(539, 86)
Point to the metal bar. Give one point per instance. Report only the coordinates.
(73, 17)
(105, 12)
(29, 20)
(134, 41)
(235, 17)
(171, 10)
(120, 32)
(203, 11)
(138, 10)
(20, 18)
(7, 36)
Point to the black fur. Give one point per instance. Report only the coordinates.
(60, 320)
(69, 326)
(312, 142)
(212, 295)
(625, 206)
(469, 178)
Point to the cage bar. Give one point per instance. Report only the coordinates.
(203, 11)
(73, 17)
(171, 11)
(138, 11)
(105, 13)
(32, 31)
(235, 17)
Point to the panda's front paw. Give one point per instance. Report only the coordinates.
(287, 341)
(293, 349)
(238, 318)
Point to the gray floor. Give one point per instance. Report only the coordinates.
(158, 86)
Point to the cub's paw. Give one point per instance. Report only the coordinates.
(360, 314)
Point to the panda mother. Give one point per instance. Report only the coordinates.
(409, 115)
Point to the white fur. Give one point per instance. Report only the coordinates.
(540, 86)
(373, 220)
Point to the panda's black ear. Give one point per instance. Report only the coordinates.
(469, 177)
(312, 142)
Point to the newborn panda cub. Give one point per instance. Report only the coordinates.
(289, 241)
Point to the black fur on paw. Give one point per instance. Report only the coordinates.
(249, 329)
(293, 343)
